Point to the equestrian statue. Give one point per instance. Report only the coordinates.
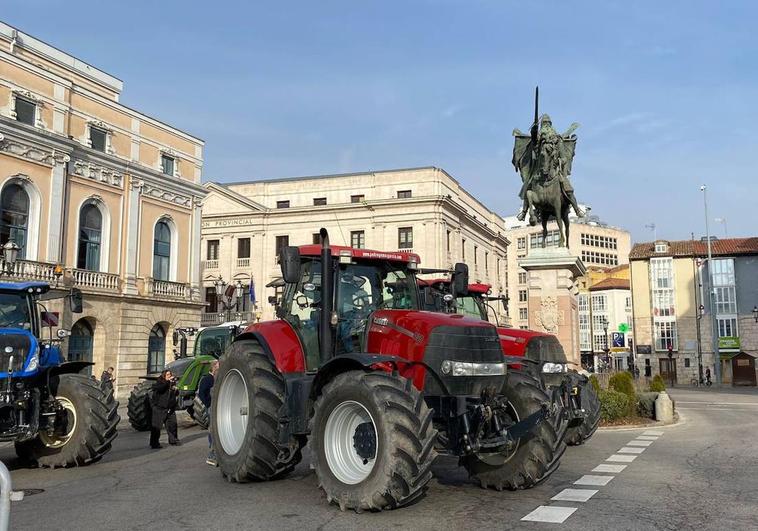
(543, 159)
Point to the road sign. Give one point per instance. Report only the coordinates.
(617, 339)
(623, 327)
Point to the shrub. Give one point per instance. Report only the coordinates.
(623, 383)
(657, 384)
(613, 405)
(646, 405)
(595, 383)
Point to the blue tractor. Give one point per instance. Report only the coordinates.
(55, 416)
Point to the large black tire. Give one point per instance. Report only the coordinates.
(199, 413)
(591, 406)
(537, 456)
(247, 446)
(403, 438)
(138, 407)
(90, 426)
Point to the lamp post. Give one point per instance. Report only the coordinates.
(714, 327)
(607, 345)
(238, 297)
(220, 286)
(10, 255)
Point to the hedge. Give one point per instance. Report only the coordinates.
(595, 383)
(657, 384)
(613, 405)
(646, 405)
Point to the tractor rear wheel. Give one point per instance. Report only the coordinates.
(372, 441)
(199, 413)
(85, 426)
(536, 456)
(248, 394)
(591, 406)
(138, 407)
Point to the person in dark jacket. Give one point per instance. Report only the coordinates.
(163, 402)
(204, 393)
(107, 379)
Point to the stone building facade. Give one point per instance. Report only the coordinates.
(673, 323)
(599, 245)
(100, 197)
(424, 210)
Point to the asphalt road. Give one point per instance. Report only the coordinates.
(699, 474)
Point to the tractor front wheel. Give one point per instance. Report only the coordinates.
(85, 425)
(372, 441)
(248, 396)
(138, 407)
(590, 403)
(199, 413)
(536, 456)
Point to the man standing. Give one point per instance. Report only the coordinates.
(107, 380)
(164, 410)
(204, 393)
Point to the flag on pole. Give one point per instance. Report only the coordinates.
(252, 291)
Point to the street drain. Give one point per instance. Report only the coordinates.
(32, 492)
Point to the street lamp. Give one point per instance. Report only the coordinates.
(220, 286)
(238, 297)
(10, 255)
(607, 346)
(714, 328)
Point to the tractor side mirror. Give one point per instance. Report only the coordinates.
(75, 300)
(460, 280)
(175, 337)
(289, 260)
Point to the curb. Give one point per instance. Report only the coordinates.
(679, 419)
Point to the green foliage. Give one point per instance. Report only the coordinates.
(646, 405)
(623, 383)
(657, 384)
(613, 405)
(595, 383)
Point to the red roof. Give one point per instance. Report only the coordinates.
(725, 247)
(394, 256)
(610, 283)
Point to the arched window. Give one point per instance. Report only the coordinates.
(162, 251)
(90, 237)
(14, 216)
(156, 349)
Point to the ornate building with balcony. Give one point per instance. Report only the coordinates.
(420, 209)
(101, 197)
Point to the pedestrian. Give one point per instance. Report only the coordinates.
(107, 380)
(204, 393)
(707, 376)
(163, 400)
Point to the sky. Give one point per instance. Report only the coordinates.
(665, 92)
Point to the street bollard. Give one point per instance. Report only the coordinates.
(664, 408)
(6, 496)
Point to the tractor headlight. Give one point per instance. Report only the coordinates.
(464, 368)
(33, 362)
(553, 368)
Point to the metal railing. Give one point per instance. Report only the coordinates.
(95, 279)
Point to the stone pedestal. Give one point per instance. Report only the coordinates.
(552, 296)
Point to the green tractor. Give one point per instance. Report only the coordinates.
(210, 343)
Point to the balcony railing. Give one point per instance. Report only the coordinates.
(211, 319)
(28, 270)
(243, 262)
(95, 280)
(210, 264)
(168, 290)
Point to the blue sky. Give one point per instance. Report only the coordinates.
(665, 92)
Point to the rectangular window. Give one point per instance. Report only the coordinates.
(665, 335)
(281, 242)
(97, 138)
(463, 249)
(447, 241)
(211, 303)
(243, 248)
(599, 303)
(212, 251)
(475, 253)
(316, 238)
(404, 194)
(486, 261)
(523, 314)
(521, 243)
(319, 201)
(283, 204)
(552, 240)
(26, 111)
(522, 295)
(522, 277)
(583, 302)
(727, 326)
(357, 198)
(686, 363)
(405, 238)
(167, 165)
(358, 239)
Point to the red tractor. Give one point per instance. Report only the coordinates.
(377, 386)
(537, 354)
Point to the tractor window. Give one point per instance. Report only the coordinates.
(212, 342)
(469, 307)
(301, 307)
(14, 311)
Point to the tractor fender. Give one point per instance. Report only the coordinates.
(69, 367)
(279, 342)
(351, 362)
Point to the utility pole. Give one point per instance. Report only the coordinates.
(696, 284)
(711, 309)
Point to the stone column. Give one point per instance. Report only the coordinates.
(194, 272)
(132, 235)
(552, 296)
(55, 229)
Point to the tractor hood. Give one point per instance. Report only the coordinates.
(23, 348)
(177, 367)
